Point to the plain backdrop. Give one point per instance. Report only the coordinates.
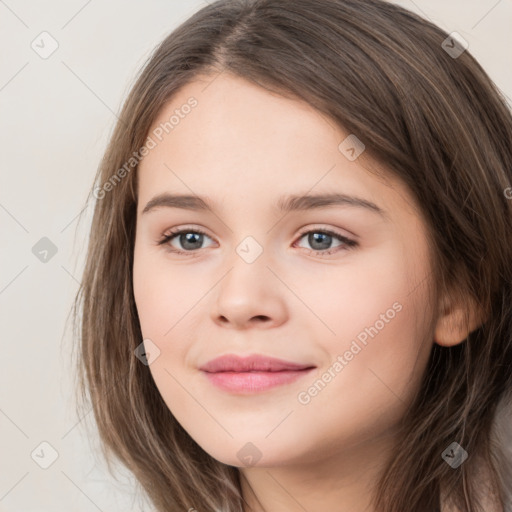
(56, 116)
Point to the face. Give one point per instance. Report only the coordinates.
(341, 288)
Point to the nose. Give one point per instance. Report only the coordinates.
(249, 295)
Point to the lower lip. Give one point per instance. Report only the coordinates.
(253, 382)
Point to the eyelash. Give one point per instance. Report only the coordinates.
(349, 244)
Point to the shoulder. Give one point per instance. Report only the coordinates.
(501, 454)
(501, 445)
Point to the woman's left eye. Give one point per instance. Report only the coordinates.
(324, 237)
(192, 239)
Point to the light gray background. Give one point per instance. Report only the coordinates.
(56, 117)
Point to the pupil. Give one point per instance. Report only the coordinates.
(189, 238)
(313, 238)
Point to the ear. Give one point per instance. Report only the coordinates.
(456, 320)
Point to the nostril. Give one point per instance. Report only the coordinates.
(262, 318)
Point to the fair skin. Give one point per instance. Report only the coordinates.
(244, 148)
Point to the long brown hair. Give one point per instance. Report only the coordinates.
(436, 120)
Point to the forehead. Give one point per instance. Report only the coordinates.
(223, 136)
(240, 119)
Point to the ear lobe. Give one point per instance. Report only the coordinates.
(456, 321)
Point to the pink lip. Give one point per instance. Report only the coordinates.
(251, 382)
(252, 374)
(252, 363)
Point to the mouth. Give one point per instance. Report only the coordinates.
(254, 373)
(254, 381)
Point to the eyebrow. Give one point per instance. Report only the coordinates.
(285, 204)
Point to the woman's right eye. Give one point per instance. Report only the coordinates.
(184, 238)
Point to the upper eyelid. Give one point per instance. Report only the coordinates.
(174, 232)
(302, 231)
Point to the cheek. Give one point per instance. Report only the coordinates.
(383, 334)
(164, 299)
(163, 294)
(376, 364)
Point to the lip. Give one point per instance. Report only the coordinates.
(251, 363)
(252, 374)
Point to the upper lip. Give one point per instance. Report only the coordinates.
(255, 362)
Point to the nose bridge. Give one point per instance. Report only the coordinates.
(247, 290)
(248, 265)
(250, 250)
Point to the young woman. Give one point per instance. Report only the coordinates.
(298, 288)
